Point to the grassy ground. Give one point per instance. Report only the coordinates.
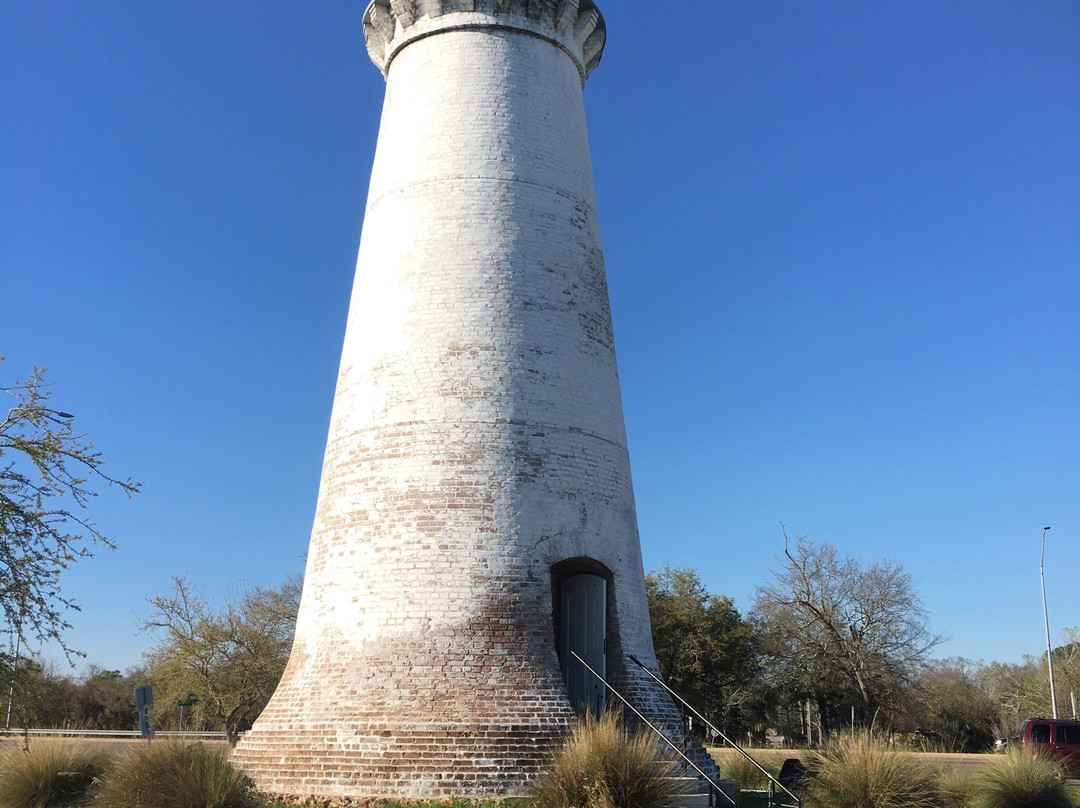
(772, 759)
(729, 761)
(734, 767)
(432, 804)
(1075, 794)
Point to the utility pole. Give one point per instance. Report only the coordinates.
(1046, 621)
(14, 671)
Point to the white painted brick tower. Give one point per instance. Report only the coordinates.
(475, 516)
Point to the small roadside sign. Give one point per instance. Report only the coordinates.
(188, 701)
(144, 704)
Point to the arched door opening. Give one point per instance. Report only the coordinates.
(581, 621)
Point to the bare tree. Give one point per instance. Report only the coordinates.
(231, 658)
(841, 632)
(1020, 691)
(48, 475)
(1067, 669)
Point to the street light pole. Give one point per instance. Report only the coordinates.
(1046, 621)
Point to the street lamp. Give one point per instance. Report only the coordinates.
(1046, 621)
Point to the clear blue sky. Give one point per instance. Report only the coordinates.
(843, 246)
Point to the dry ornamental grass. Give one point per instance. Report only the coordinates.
(175, 774)
(859, 772)
(603, 765)
(733, 766)
(49, 774)
(1018, 779)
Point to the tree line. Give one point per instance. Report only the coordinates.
(833, 644)
(830, 643)
(211, 667)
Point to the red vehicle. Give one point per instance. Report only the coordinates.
(1053, 737)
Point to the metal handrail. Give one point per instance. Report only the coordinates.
(773, 782)
(712, 784)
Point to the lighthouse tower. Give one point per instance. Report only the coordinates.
(475, 521)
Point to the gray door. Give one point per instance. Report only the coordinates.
(583, 629)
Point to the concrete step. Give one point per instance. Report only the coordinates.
(692, 801)
(693, 793)
(690, 795)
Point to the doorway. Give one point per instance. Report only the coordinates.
(583, 630)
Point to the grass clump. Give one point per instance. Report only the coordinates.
(734, 766)
(958, 789)
(601, 764)
(862, 773)
(176, 774)
(746, 774)
(1018, 779)
(49, 774)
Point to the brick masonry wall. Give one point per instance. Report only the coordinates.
(476, 438)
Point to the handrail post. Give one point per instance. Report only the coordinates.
(685, 730)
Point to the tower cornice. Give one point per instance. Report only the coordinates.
(574, 26)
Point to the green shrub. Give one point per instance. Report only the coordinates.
(175, 774)
(861, 773)
(49, 774)
(603, 765)
(1020, 780)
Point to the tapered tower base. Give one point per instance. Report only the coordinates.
(476, 517)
